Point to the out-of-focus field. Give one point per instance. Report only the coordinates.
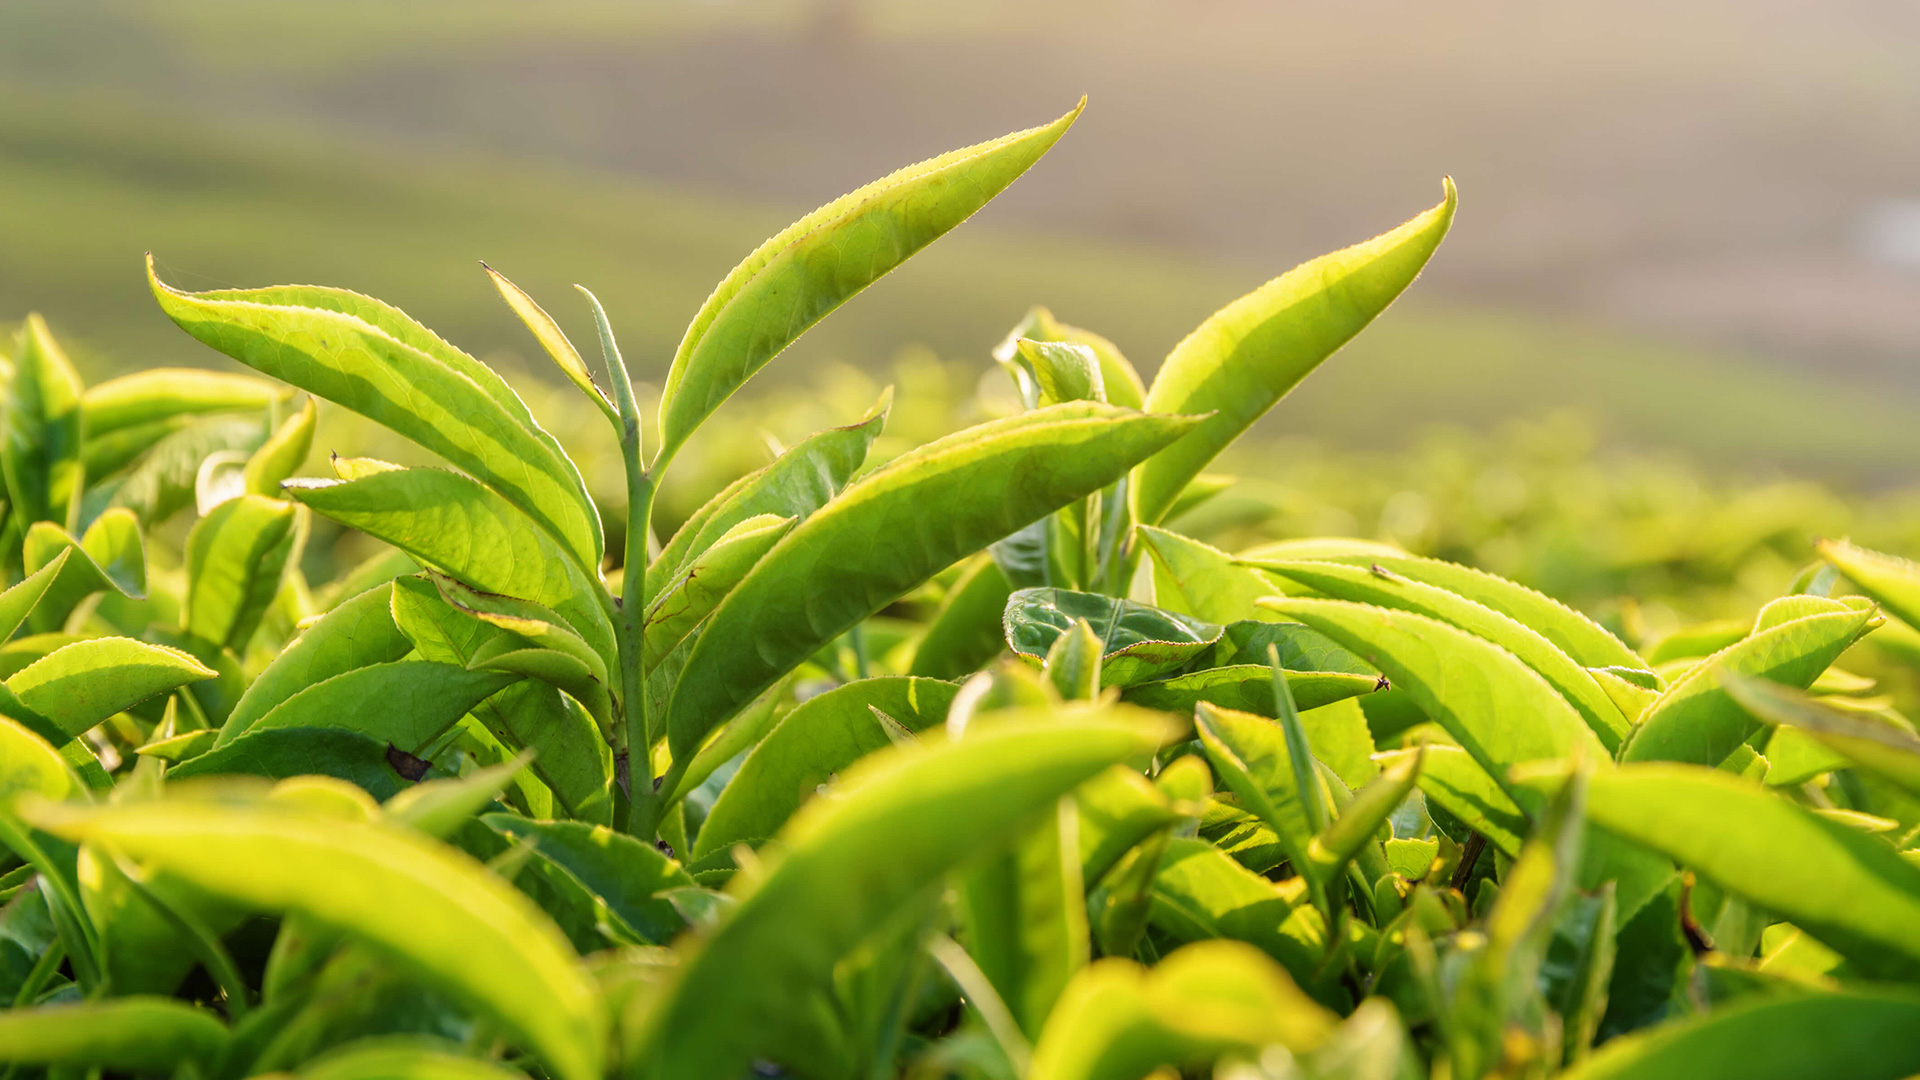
(387, 147)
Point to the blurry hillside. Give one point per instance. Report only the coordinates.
(1694, 220)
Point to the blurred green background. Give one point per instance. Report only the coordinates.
(1682, 219)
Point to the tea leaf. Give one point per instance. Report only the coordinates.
(1249, 354)
(1247, 688)
(890, 531)
(356, 634)
(895, 825)
(693, 594)
(1452, 779)
(408, 703)
(473, 535)
(368, 357)
(1138, 642)
(40, 429)
(1468, 685)
(818, 739)
(78, 685)
(554, 341)
(468, 932)
(283, 453)
(1865, 742)
(28, 763)
(1201, 893)
(629, 875)
(1119, 1021)
(1198, 580)
(1695, 721)
(1855, 1033)
(1384, 588)
(129, 1034)
(816, 264)
(235, 556)
(794, 485)
(145, 397)
(1893, 582)
(400, 1055)
(1850, 890)
(1586, 641)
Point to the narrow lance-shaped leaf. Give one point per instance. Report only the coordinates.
(283, 453)
(1867, 1035)
(235, 557)
(353, 635)
(131, 1034)
(1850, 890)
(819, 738)
(159, 394)
(554, 341)
(467, 931)
(693, 594)
(1586, 641)
(42, 427)
(368, 357)
(450, 522)
(81, 684)
(1864, 741)
(20, 599)
(813, 266)
(1360, 820)
(897, 823)
(1470, 686)
(1695, 720)
(1247, 356)
(1119, 1021)
(1383, 587)
(793, 485)
(892, 530)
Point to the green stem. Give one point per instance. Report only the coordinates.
(632, 737)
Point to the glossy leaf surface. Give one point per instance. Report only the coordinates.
(1137, 642)
(1119, 1021)
(813, 266)
(895, 825)
(466, 930)
(79, 685)
(893, 529)
(446, 520)
(368, 357)
(810, 745)
(1695, 721)
(1248, 355)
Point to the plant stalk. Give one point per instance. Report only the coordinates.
(632, 736)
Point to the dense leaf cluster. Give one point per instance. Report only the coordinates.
(969, 763)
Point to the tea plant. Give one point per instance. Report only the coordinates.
(967, 764)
